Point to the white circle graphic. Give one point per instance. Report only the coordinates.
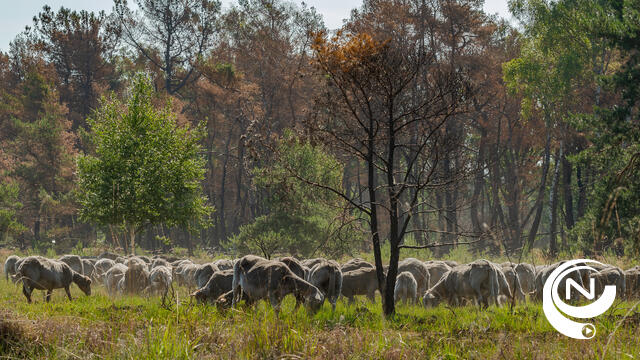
(555, 309)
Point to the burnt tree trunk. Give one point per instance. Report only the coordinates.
(373, 213)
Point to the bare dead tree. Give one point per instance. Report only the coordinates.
(171, 34)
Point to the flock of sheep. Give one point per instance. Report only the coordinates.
(312, 281)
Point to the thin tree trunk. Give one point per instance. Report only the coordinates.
(477, 188)
(240, 188)
(543, 182)
(36, 231)
(514, 228)
(132, 239)
(373, 215)
(394, 230)
(448, 199)
(567, 191)
(553, 204)
(582, 190)
(441, 226)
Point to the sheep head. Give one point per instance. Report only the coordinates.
(83, 282)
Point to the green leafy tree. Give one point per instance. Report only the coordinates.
(146, 169)
(613, 215)
(300, 219)
(43, 152)
(556, 74)
(9, 207)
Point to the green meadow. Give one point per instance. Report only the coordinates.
(134, 327)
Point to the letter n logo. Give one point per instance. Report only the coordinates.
(591, 294)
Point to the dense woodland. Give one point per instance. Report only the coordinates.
(416, 123)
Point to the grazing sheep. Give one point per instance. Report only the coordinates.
(224, 264)
(136, 278)
(451, 263)
(113, 276)
(632, 280)
(355, 264)
(436, 269)
(185, 274)
(240, 270)
(297, 268)
(406, 288)
(505, 292)
(91, 259)
(15, 278)
(135, 260)
(294, 265)
(225, 300)
(159, 280)
(159, 262)
(419, 271)
(108, 255)
(513, 286)
(120, 260)
(203, 273)
(526, 277)
(120, 286)
(478, 281)
(40, 273)
(610, 275)
(306, 271)
(311, 262)
(177, 263)
(89, 269)
(10, 267)
(327, 277)
(101, 267)
(264, 279)
(543, 272)
(176, 268)
(74, 262)
(219, 283)
(362, 281)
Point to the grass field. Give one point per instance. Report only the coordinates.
(101, 327)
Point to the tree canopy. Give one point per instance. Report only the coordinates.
(146, 168)
(300, 218)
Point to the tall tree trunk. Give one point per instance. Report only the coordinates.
(441, 225)
(394, 230)
(241, 201)
(132, 239)
(553, 205)
(189, 243)
(417, 223)
(567, 171)
(512, 203)
(448, 200)
(477, 187)
(495, 176)
(582, 190)
(222, 235)
(373, 215)
(543, 183)
(36, 231)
